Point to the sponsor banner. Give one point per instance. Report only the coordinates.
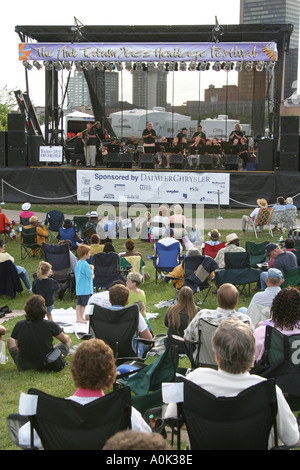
(153, 187)
(254, 51)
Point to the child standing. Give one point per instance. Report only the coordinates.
(84, 273)
(45, 286)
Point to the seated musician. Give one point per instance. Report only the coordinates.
(176, 148)
(218, 157)
(244, 152)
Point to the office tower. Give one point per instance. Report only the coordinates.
(149, 89)
(78, 92)
(277, 12)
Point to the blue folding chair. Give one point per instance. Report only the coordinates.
(166, 258)
(55, 220)
(68, 234)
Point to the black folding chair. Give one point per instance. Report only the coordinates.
(59, 258)
(242, 422)
(106, 269)
(63, 424)
(54, 220)
(29, 246)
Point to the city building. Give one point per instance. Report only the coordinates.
(149, 89)
(78, 92)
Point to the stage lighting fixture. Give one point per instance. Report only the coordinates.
(171, 66)
(27, 65)
(67, 65)
(259, 66)
(58, 65)
(109, 65)
(151, 66)
(217, 66)
(99, 66)
(160, 66)
(202, 66)
(228, 66)
(249, 66)
(47, 65)
(270, 66)
(239, 66)
(138, 66)
(182, 66)
(128, 66)
(78, 65)
(192, 65)
(119, 66)
(37, 64)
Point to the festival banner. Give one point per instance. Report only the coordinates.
(152, 187)
(149, 52)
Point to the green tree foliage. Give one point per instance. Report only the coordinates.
(7, 105)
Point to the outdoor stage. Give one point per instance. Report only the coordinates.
(58, 185)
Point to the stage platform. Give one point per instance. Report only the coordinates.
(57, 184)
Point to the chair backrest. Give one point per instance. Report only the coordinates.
(291, 278)
(257, 252)
(212, 250)
(80, 221)
(290, 216)
(237, 260)
(279, 346)
(197, 270)
(243, 422)
(264, 216)
(134, 261)
(28, 236)
(116, 328)
(63, 424)
(55, 219)
(206, 356)
(59, 257)
(106, 269)
(68, 234)
(10, 282)
(168, 256)
(258, 313)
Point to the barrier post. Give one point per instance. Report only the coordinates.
(219, 209)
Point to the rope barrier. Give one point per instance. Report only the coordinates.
(38, 197)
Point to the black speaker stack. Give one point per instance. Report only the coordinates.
(3, 148)
(176, 161)
(147, 160)
(289, 143)
(232, 162)
(265, 155)
(16, 141)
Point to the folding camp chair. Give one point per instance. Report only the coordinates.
(280, 361)
(79, 223)
(291, 278)
(257, 253)
(132, 263)
(212, 250)
(197, 275)
(63, 424)
(237, 272)
(68, 234)
(106, 269)
(29, 246)
(55, 220)
(146, 383)
(263, 218)
(289, 220)
(242, 422)
(166, 258)
(10, 282)
(59, 258)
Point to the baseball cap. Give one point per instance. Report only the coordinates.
(274, 273)
(270, 247)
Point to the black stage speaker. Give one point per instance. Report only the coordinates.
(232, 162)
(15, 122)
(205, 162)
(289, 125)
(289, 161)
(3, 148)
(265, 155)
(126, 160)
(113, 160)
(16, 157)
(147, 160)
(16, 139)
(34, 157)
(176, 161)
(289, 143)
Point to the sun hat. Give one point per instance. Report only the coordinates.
(274, 273)
(93, 214)
(270, 247)
(262, 203)
(214, 235)
(231, 237)
(67, 223)
(26, 206)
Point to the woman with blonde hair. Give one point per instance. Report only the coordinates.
(179, 316)
(133, 281)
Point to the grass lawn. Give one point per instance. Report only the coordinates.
(60, 384)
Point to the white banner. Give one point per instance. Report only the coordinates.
(152, 187)
(51, 154)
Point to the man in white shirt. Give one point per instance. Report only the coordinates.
(246, 219)
(274, 280)
(234, 347)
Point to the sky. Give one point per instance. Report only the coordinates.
(129, 12)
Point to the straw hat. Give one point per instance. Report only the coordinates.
(231, 237)
(214, 235)
(262, 203)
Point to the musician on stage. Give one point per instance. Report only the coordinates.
(201, 134)
(195, 149)
(244, 152)
(182, 134)
(89, 139)
(149, 136)
(236, 134)
(100, 137)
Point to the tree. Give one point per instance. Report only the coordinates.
(7, 105)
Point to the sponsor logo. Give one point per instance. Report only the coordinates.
(119, 187)
(172, 191)
(145, 187)
(98, 187)
(194, 188)
(109, 196)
